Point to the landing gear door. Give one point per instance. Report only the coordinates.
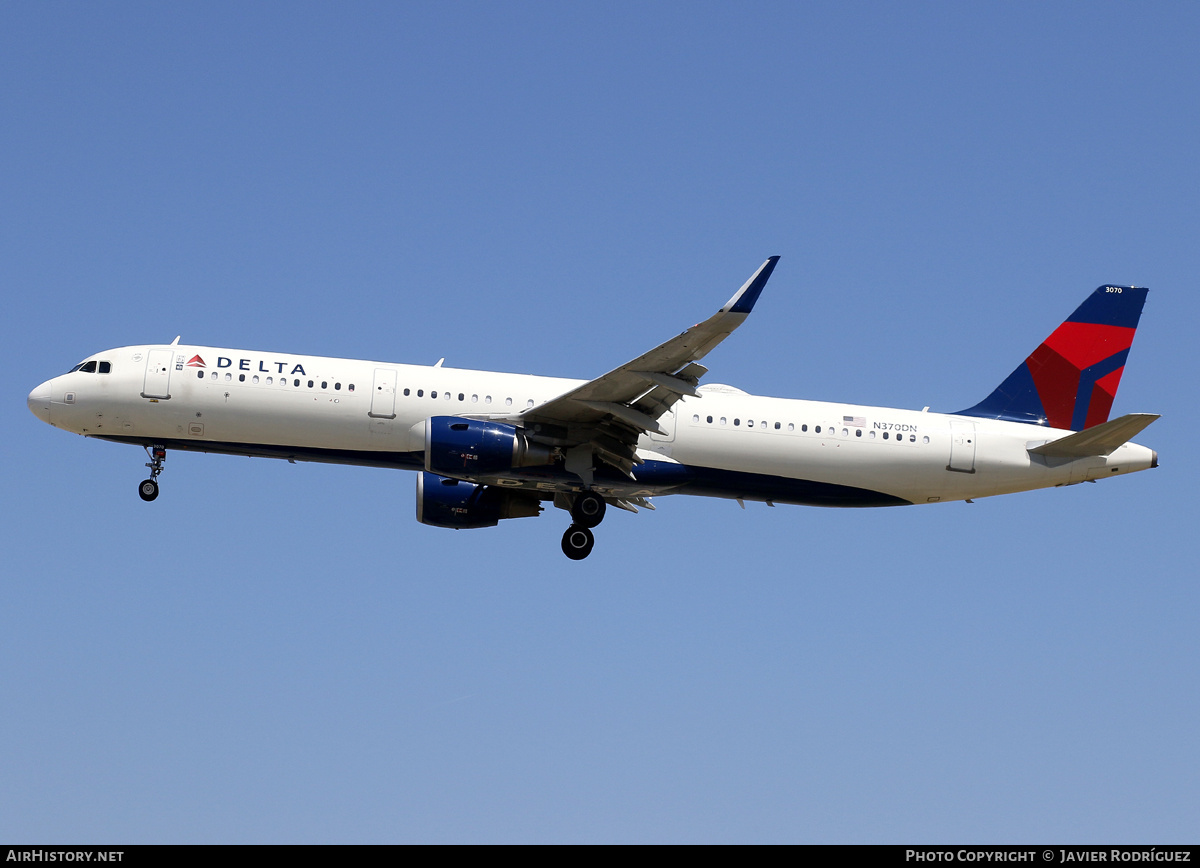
(383, 395)
(158, 374)
(962, 447)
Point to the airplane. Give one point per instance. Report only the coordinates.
(491, 446)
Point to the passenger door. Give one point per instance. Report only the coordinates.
(962, 447)
(157, 383)
(383, 395)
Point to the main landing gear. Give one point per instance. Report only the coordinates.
(148, 488)
(586, 512)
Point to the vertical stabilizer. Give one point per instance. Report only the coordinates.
(1071, 379)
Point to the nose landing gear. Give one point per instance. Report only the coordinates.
(148, 488)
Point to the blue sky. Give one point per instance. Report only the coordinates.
(281, 653)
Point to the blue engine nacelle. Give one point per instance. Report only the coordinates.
(452, 503)
(470, 447)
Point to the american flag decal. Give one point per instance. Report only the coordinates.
(856, 421)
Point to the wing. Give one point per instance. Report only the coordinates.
(604, 417)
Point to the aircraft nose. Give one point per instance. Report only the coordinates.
(39, 401)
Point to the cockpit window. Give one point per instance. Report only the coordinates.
(91, 367)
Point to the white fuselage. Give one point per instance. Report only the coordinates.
(722, 442)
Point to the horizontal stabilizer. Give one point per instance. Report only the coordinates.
(1100, 439)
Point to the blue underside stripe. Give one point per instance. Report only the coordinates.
(672, 478)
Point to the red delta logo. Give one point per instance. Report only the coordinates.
(196, 362)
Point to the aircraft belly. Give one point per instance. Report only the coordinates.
(722, 482)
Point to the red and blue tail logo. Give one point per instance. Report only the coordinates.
(1070, 381)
